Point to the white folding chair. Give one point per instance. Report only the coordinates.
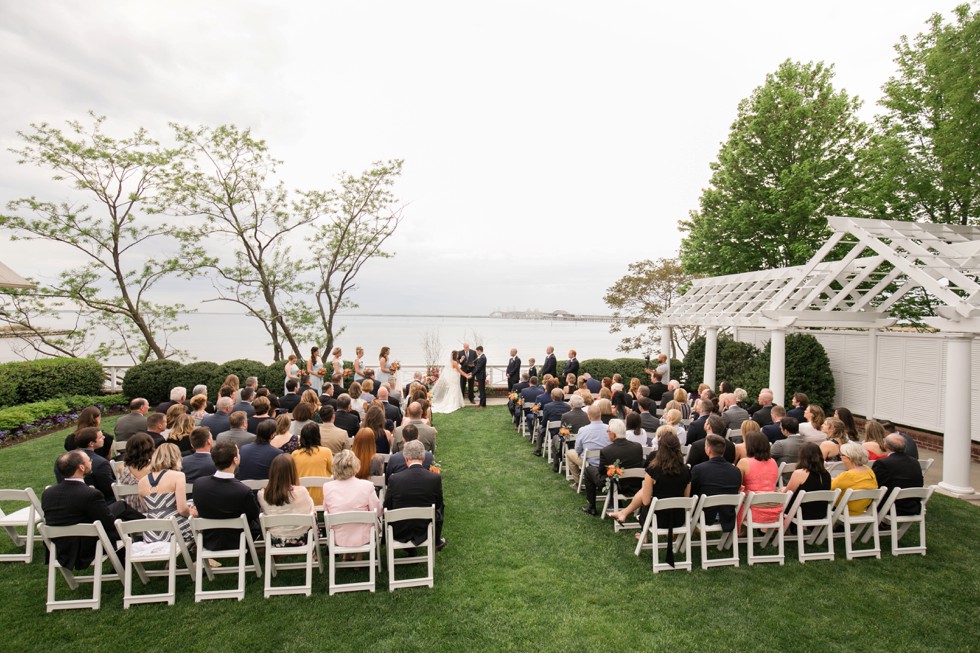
(734, 435)
(835, 468)
(660, 412)
(116, 466)
(546, 438)
(925, 465)
(256, 483)
(817, 525)
(118, 447)
(104, 551)
(372, 548)
(139, 553)
(614, 497)
(380, 485)
(898, 525)
(757, 500)
(567, 443)
(647, 451)
(27, 517)
(785, 471)
(310, 551)
(725, 539)
(855, 525)
(246, 546)
(392, 545)
(682, 533)
(685, 449)
(124, 490)
(587, 455)
(316, 482)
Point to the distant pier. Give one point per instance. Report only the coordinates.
(554, 315)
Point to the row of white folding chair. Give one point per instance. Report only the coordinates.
(104, 552)
(785, 471)
(546, 441)
(614, 498)
(587, 455)
(28, 518)
(897, 524)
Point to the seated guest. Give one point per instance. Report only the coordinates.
(576, 417)
(416, 487)
(346, 417)
(593, 436)
(222, 496)
(201, 389)
(857, 476)
(289, 400)
(850, 426)
(372, 464)
(263, 411)
(245, 404)
(136, 463)
(286, 439)
(156, 424)
(73, 502)
(273, 399)
(874, 440)
(605, 409)
(255, 458)
(374, 419)
(668, 395)
(199, 462)
(759, 473)
(217, 422)
(713, 425)
(787, 450)
(763, 414)
(810, 476)
(392, 412)
(180, 434)
(696, 429)
(833, 430)
(552, 412)
(91, 417)
(648, 420)
(172, 414)
(529, 397)
(774, 429)
(397, 463)
(798, 411)
(731, 412)
(236, 433)
(301, 416)
(99, 474)
(627, 454)
(748, 426)
(312, 458)
(333, 438)
(283, 495)
(673, 418)
(899, 470)
(592, 384)
(134, 422)
(178, 395)
(313, 401)
(349, 493)
(304, 384)
(810, 430)
(911, 448)
(716, 476)
(426, 433)
(164, 493)
(198, 404)
(667, 477)
(635, 432)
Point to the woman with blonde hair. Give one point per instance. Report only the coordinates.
(287, 428)
(874, 440)
(180, 434)
(310, 397)
(673, 418)
(283, 495)
(337, 363)
(605, 408)
(746, 427)
(173, 413)
(367, 390)
(164, 492)
(349, 492)
(836, 435)
(680, 396)
(359, 368)
(233, 382)
(371, 463)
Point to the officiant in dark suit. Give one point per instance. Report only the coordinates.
(513, 370)
(467, 359)
(480, 375)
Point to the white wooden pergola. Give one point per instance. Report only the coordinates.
(10, 279)
(852, 282)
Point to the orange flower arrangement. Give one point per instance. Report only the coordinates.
(535, 408)
(564, 432)
(614, 470)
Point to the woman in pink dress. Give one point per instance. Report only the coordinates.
(759, 472)
(347, 493)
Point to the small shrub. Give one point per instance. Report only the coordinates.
(152, 380)
(274, 377)
(807, 370)
(734, 360)
(242, 368)
(196, 373)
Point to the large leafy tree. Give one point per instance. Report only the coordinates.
(639, 298)
(788, 163)
(118, 239)
(925, 160)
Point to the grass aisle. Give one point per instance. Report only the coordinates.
(526, 571)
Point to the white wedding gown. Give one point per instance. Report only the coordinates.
(446, 395)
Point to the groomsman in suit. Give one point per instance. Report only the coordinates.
(513, 370)
(532, 370)
(480, 375)
(571, 365)
(467, 359)
(550, 365)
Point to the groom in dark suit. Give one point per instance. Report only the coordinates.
(467, 359)
(513, 370)
(571, 365)
(480, 375)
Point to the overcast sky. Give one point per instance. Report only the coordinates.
(546, 144)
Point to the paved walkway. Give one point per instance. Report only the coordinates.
(933, 476)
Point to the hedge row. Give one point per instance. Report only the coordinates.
(153, 380)
(34, 381)
(52, 412)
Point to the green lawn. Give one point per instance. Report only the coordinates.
(526, 571)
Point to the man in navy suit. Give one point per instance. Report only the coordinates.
(396, 463)
(218, 421)
(416, 487)
(550, 365)
(513, 370)
(529, 396)
(467, 359)
(245, 404)
(99, 474)
(800, 402)
(551, 412)
(479, 375)
(222, 496)
(199, 463)
(571, 365)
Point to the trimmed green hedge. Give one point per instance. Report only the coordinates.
(152, 380)
(194, 374)
(242, 368)
(32, 381)
(807, 371)
(274, 377)
(30, 414)
(734, 361)
(629, 367)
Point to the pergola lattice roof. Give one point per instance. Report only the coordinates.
(884, 261)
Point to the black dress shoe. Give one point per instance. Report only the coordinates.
(589, 510)
(537, 453)
(441, 545)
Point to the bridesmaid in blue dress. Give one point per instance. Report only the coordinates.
(313, 367)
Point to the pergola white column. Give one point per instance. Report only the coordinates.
(777, 365)
(956, 438)
(710, 355)
(665, 346)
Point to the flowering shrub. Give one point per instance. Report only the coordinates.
(17, 422)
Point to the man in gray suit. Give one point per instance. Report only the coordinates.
(237, 433)
(731, 412)
(427, 434)
(134, 422)
(788, 450)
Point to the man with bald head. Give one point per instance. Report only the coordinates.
(763, 416)
(392, 412)
(898, 469)
(427, 434)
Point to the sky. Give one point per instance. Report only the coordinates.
(547, 144)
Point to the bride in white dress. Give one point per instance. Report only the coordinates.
(446, 394)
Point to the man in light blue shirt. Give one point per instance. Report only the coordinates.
(593, 436)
